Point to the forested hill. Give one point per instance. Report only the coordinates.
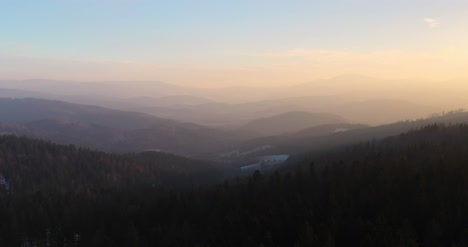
(32, 165)
(107, 129)
(443, 137)
(407, 190)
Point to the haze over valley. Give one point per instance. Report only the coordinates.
(233, 123)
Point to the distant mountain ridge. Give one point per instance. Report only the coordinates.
(106, 129)
(289, 122)
(169, 100)
(303, 142)
(355, 98)
(376, 111)
(352, 87)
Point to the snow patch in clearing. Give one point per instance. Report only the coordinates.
(4, 183)
(339, 130)
(265, 162)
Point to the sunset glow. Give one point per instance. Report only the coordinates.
(222, 43)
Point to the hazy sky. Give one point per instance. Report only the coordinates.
(236, 42)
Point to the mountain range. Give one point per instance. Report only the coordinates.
(106, 129)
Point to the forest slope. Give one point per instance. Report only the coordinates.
(406, 190)
(106, 129)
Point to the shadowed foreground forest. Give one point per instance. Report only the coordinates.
(406, 190)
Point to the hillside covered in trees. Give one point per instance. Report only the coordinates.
(29, 165)
(406, 190)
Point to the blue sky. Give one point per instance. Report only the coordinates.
(204, 36)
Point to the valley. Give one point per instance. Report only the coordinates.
(234, 144)
(185, 123)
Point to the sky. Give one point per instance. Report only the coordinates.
(224, 43)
